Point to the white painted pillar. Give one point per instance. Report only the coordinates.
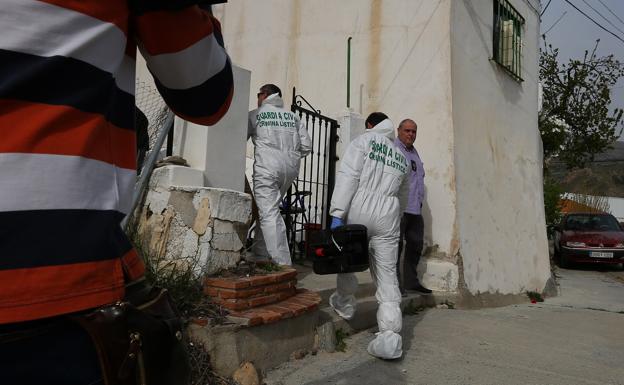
(351, 126)
(219, 150)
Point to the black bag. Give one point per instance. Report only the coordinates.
(342, 250)
(139, 340)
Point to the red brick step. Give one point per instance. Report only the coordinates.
(302, 302)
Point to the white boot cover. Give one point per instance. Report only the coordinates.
(343, 300)
(386, 345)
(343, 306)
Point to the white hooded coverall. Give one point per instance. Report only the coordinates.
(371, 189)
(280, 140)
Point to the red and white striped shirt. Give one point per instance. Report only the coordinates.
(67, 140)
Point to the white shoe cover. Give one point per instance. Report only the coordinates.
(345, 307)
(387, 345)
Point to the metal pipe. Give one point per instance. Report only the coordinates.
(349, 72)
(148, 167)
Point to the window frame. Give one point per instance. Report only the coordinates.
(503, 11)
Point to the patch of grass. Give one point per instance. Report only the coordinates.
(535, 296)
(179, 279)
(269, 267)
(341, 344)
(184, 285)
(201, 370)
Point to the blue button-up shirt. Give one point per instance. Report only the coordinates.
(416, 178)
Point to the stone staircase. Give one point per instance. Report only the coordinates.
(262, 299)
(366, 313)
(275, 315)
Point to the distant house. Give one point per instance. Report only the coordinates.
(615, 206)
(466, 72)
(571, 206)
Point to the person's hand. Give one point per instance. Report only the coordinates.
(336, 222)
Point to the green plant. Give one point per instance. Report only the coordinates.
(552, 204)
(269, 266)
(179, 278)
(577, 121)
(341, 344)
(202, 372)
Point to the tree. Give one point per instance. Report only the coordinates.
(575, 121)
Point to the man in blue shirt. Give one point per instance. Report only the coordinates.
(412, 225)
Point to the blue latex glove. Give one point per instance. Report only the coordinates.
(336, 222)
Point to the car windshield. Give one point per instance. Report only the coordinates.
(589, 222)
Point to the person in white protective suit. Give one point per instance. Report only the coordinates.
(371, 189)
(280, 140)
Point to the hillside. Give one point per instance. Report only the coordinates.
(604, 176)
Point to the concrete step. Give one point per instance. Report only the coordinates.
(237, 342)
(325, 285)
(366, 313)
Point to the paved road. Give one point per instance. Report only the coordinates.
(576, 338)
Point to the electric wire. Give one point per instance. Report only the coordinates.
(600, 14)
(594, 21)
(555, 23)
(545, 8)
(610, 11)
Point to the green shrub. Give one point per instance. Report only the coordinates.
(552, 204)
(341, 344)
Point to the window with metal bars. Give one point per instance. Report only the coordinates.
(508, 26)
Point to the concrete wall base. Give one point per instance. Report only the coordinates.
(266, 346)
(203, 227)
(439, 275)
(468, 300)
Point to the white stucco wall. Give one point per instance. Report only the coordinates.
(428, 60)
(219, 150)
(400, 64)
(616, 207)
(500, 207)
(215, 150)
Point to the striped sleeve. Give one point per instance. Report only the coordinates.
(191, 69)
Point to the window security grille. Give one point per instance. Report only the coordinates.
(508, 26)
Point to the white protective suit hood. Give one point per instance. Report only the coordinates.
(274, 100)
(385, 128)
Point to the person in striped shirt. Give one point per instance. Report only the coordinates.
(68, 155)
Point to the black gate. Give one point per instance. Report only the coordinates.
(307, 203)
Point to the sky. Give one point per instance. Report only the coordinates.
(575, 33)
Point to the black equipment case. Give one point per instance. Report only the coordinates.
(342, 250)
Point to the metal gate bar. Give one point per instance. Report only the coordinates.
(309, 198)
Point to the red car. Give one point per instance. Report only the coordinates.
(589, 238)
